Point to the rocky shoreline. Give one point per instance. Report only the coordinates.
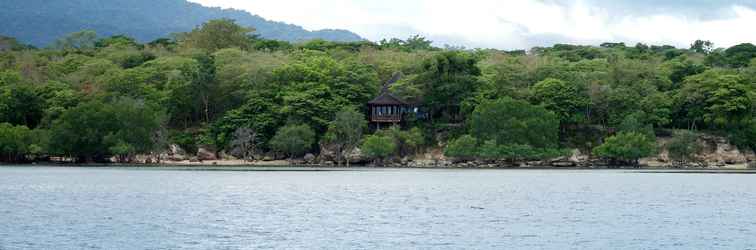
(717, 153)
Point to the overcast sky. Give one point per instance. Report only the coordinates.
(520, 24)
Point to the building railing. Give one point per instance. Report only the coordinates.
(386, 118)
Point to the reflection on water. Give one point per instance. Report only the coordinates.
(157, 208)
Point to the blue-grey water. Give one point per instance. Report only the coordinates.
(142, 208)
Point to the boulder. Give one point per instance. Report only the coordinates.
(327, 152)
(357, 157)
(730, 154)
(206, 154)
(309, 158)
(176, 153)
(224, 156)
(717, 151)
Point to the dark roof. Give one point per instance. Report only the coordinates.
(386, 98)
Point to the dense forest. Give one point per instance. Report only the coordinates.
(41, 22)
(91, 98)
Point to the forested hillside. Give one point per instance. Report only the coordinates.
(220, 89)
(40, 22)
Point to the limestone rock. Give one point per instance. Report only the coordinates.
(224, 156)
(309, 158)
(175, 153)
(205, 154)
(357, 157)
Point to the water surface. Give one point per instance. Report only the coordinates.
(177, 208)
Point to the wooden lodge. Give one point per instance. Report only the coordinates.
(388, 109)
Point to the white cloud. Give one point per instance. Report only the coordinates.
(511, 24)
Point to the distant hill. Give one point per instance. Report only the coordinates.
(40, 22)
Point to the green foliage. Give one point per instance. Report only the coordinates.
(683, 147)
(465, 146)
(508, 121)
(413, 43)
(568, 101)
(715, 98)
(701, 46)
(293, 140)
(94, 130)
(378, 146)
(259, 113)
(217, 34)
(407, 141)
(316, 86)
(633, 123)
(345, 132)
(20, 104)
(17, 142)
(449, 78)
(626, 147)
(117, 41)
(219, 80)
(740, 55)
(81, 40)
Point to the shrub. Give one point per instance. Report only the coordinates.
(463, 147)
(626, 147)
(683, 147)
(509, 121)
(293, 140)
(378, 146)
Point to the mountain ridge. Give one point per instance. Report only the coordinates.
(40, 22)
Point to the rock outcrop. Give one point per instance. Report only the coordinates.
(206, 154)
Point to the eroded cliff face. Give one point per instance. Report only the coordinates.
(716, 151)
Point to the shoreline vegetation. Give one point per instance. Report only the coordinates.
(219, 95)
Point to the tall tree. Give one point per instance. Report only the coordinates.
(217, 34)
(345, 132)
(448, 79)
(509, 121)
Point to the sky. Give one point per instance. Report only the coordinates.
(520, 24)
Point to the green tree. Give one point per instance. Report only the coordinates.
(635, 123)
(626, 147)
(683, 147)
(448, 79)
(136, 126)
(716, 98)
(465, 147)
(701, 46)
(345, 132)
(217, 34)
(293, 140)
(378, 147)
(81, 40)
(94, 130)
(20, 104)
(259, 113)
(740, 55)
(117, 41)
(14, 142)
(508, 121)
(566, 100)
(316, 86)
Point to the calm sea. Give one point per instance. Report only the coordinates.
(175, 208)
